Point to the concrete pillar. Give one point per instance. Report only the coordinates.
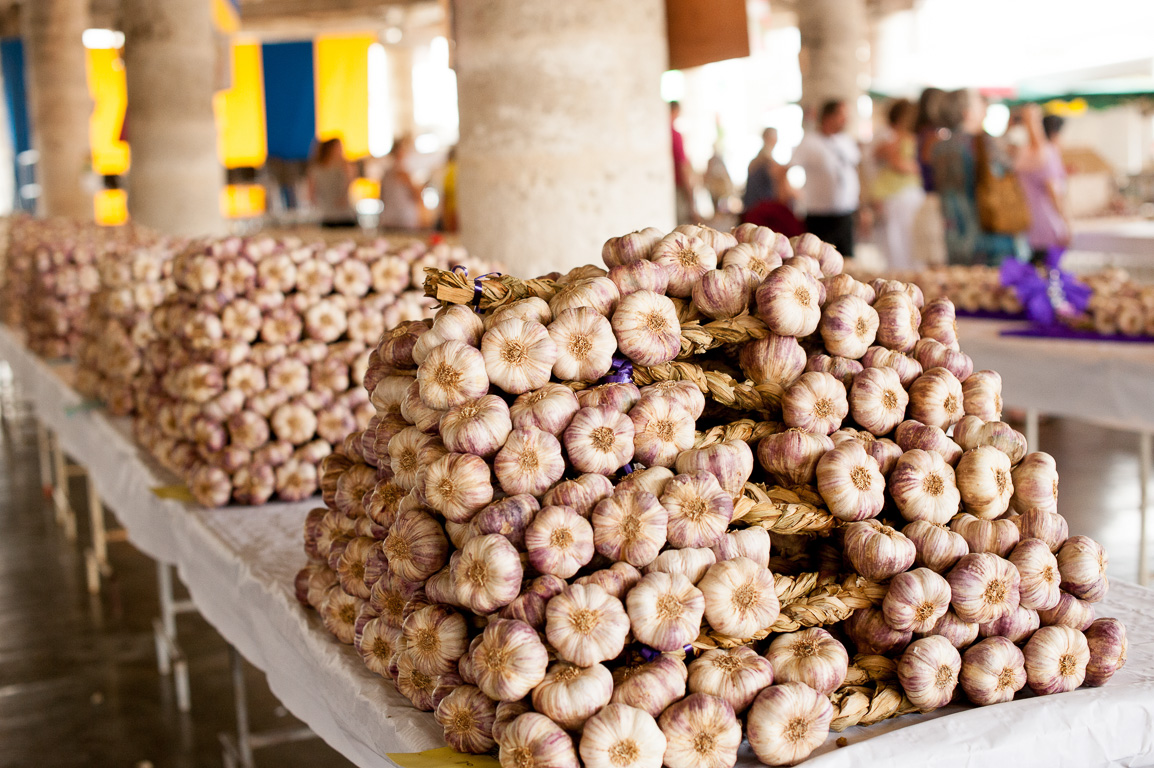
(59, 102)
(565, 140)
(401, 89)
(170, 59)
(832, 31)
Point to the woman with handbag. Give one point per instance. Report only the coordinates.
(1043, 176)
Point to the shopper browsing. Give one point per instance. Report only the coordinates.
(832, 191)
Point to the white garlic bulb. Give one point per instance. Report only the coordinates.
(585, 344)
(811, 656)
(688, 258)
(928, 671)
(580, 494)
(652, 480)
(630, 248)
(519, 355)
(848, 326)
(869, 632)
(787, 722)
(1038, 574)
(651, 686)
(620, 736)
(452, 373)
(971, 432)
(772, 360)
(907, 368)
(740, 598)
(692, 562)
(1069, 612)
(435, 637)
(416, 546)
(1082, 563)
(455, 322)
(549, 408)
(1035, 481)
(599, 440)
(1016, 626)
(789, 302)
(938, 548)
(510, 660)
(877, 551)
(529, 308)
(984, 480)
(730, 461)
(791, 456)
(618, 396)
(1050, 527)
(535, 741)
(996, 536)
(1106, 639)
(699, 510)
(984, 587)
(597, 292)
(936, 398)
(752, 542)
(735, 675)
(850, 482)
(663, 428)
(478, 426)
(916, 600)
(467, 716)
(992, 671)
(701, 731)
(569, 695)
(933, 354)
(586, 625)
(647, 329)
(1056, 660)
(816, 402)
(898, 322)
(982, 395)
(458, 486)
(530, 462)
(722, 294)
(923, 487)
(559, 541)
(665, 611)
(630, 526)
(877, 400)
(639, 276)
(487, 575)
(912, 434)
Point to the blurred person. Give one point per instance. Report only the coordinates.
(449, 193)
(898, 185)
(832, 186)
(717, 180)
(683, 174)
(768, 199)
(329, 176)
(400, 196)
(929, 128)
(1043, 178)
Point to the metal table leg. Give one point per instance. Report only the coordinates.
(44, 446)
(169, 656)
(1145, 449)
(96, 556)
(237, 750)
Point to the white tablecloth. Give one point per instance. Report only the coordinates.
(1108, 383)
(239, 563)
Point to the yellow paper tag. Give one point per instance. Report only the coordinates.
(174, 492)
(442, 758)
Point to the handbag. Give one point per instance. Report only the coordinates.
(1001, 203)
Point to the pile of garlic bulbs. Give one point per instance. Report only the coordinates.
(556, 534)
(119, 326)
(973, 289)
(255, 371)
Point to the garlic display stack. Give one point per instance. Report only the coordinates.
(721, 485)
(252, 371)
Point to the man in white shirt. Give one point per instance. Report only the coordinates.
(832, 189)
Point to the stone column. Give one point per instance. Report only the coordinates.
(170, 59)
(832, 31)
(59, 103)
(565, 140)
(401, 89)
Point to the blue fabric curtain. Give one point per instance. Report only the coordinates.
(289, 99)
(16, 100)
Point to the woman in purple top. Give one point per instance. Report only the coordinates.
(1043, 178)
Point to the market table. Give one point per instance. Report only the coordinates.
(1106, 383)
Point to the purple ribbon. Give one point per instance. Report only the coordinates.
(629, 468)
(476, 284)
(1046, 294)
(620, 371)
(649, 654)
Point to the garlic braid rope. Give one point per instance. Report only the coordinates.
(869, 694)
(721, 387)
(747, 430)
(781, 510)
(698, 338)
(496, 290)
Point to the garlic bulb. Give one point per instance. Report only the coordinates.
(850, 482)
(455, 322)
(772, 360)
(559, 541)
(452, 373)
(933, 354)
(787, 722)
(791, 456)
(1050, 527)
(984, 479)
(509, 517)
(415, 412)
(508, 711)
(663, 428)
(684, 393)
(585, 344)
(467, 716)
(458, 486)
(939, 322)
(699, 510)
(519, 355)
(722, 294)
(630, 526)
(665, 611)
(549, 408)
(907, 368)
(1016, 626)
(1106, 640)
(923, 487)
(848, 326)
(916, 600)
(877, 400)
(620, 736)
(1069, 612)
(701, 731)
(580, 494)
(687, 258)
(599, 440)
(960, 633)
(1038, 572)
(510, 661)
(630, 248)
(647, 329)
(982, 395)
(912, 434)
(731, 462)
(410, 454)
(877, 551)
(692, 562)
(1035, 481)
(435, 637)
(984, 587)
(996, 536)
(529, 606)
(569, 695)
(816, 402)
(487, 575)
(735, 675)
(971, 432)
(617, 579)
(640, 276)
(845, 285)
(739, 597)
(416, 546)
(789, 302)
(535, 741)
(651, 686)
(868, 630)
(586, 625)
(377, 644)
(618, 396)
(936, 398)
(1082, 563)
(478, 426)
(652, 480)
(530, 462)
(1056, 660)
(810, 656)
(597, 292)
(752, 542)
(992, 671)
(938, 548)
(928, 671)
(898, 322)
(530, 308)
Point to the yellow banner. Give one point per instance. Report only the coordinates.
(240, 118)
(342, 91)
(174, 492)
(444, 757)
(109, 92)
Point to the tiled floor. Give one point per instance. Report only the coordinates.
(78, 679)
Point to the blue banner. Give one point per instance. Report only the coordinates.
(16, 100)
(289, 99)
